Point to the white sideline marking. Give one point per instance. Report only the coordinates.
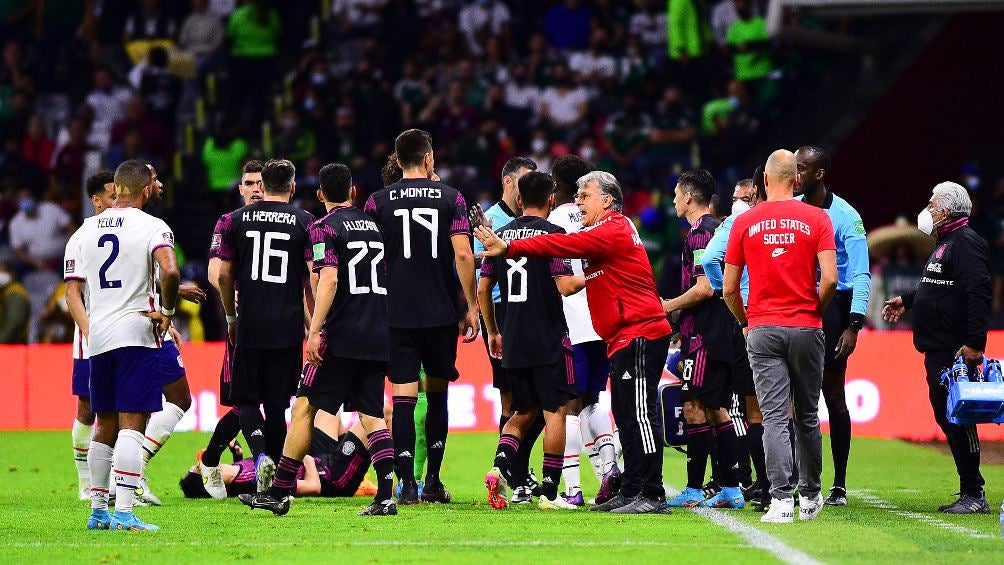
(753, 536)
(877, 502)
(387, 543)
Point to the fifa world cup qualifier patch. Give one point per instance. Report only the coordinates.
(217, 240)
(859, 227)
(318, 251)
(71, 265)
(698, 255)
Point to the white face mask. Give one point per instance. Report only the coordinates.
(4, 278)
(739, 206)
(925, 221)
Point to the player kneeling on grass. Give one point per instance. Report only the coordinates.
(537, 354)
(347, 347)
(335, 467)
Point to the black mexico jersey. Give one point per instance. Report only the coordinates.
(418, 218)
(348, 240)
(269, 244)
(534, 317)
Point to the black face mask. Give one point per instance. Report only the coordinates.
(192, 486)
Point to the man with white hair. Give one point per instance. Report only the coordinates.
(951, 317)
(627, 313)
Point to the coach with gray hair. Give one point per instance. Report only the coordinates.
(951, 309)
(627, 313)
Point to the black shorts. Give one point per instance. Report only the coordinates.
(226, 374)
(356, 383)
(707, 380)
(263, 375)
(836, 319)
(499, 378)
(547, 387)
(742, 374)
(434, 349)
(342, 464)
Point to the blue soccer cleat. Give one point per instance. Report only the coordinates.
(127, 521)
(99, 520)
(728, 497)
(689, 498)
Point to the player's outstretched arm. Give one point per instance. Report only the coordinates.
(694, 296)
(464, 259)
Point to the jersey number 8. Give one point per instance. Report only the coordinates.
(263, 272)
(516, 274)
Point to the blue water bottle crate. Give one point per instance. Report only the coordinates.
(976, 400)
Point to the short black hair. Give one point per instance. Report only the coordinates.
(277, 176)
(336, 180)
(411, 147)
(535, 188)
(192, 486)
(566, 170)
(131, 176)
(253, 166)
(758, 183)
(517, 163)
(96, 182)
(699, 183)
(818, 156)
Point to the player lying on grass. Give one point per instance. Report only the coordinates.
(336, 467)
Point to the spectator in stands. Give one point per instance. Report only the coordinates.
(108, 102)
(36, 147)
(15, 308)
(55, 322)
(898, 275)
(161, 89)
(254, 31)
(201, 32)
(133, 146)
(649, 25)
(38, 233)
(294, 141)
(222, 156)
(595, 62)
(480, 20)
(412, 93)
(540, 150)
(563, 106)
(155, 137)
(450, 113)
(567, 25)
(673, 133)
(148, 21)
(68, 165)
(749, 42)
(723, 15)
(627, 135)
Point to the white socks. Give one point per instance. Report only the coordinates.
(159, 430)
(573, 447)
(596, 428)
(128, 468)
(81, 434)
(99, 463)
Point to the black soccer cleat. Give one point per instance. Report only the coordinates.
(265, 501)
(753, 493)
(944, 507)
(969, 505)
(436, 493)
(380, 508)
(837, 497)
(532, 483)
(616, 502)
(409, 494)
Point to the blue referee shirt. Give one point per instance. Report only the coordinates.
(500, 214)
(714, 257)
(853, 269)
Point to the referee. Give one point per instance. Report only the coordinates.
(628, 315)
(846, 313)
(951, 313)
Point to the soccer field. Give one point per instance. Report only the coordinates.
(895, 489)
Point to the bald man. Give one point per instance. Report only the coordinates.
(781, 243)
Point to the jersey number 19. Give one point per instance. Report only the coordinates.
(426, 217)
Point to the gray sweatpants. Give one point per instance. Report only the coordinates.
(788, 365)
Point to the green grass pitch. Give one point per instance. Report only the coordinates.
(891, 518)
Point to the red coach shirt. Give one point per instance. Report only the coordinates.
(622, 297)
(777, 242)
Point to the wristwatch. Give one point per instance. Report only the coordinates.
(857, 321)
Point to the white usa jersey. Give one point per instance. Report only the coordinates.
(80, 350)
(580, 324)
(113, 254)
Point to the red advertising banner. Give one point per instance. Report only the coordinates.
(886, 390)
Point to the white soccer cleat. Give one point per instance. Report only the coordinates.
(780, 511)
(558, 503)
(144, 494)
(213, 481)
(809, 508)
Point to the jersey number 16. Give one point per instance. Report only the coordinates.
(260, 258)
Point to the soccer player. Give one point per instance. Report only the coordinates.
(706, 344)
(787, 247)
(265, 250)
(586, 423)
(747, 194)
(335, 467)
(429, 260)
(845, 316)
(229, 425)
(113, 256)
(347, 346)
(101, 190)
(627, 314)
(534, 350)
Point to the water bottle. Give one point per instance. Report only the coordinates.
(960, 372)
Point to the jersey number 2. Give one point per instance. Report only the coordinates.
(363, 247)
(259, 267)
(103, 271)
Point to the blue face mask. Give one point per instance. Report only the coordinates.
(28, 205)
